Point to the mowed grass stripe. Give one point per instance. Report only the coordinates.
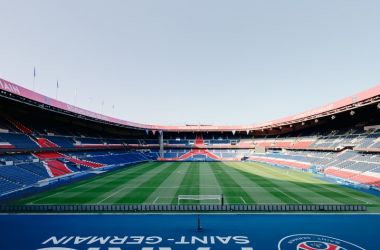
(208, 185)
(56, 195)
(271, 187)
(144, 183)
(165, 193)
(331, 191)
(258, 193)
(285, 180)
(94, 194)
(232, 191)
(189, 184)
(121, 191)
(141, 192)
(276, 190)
(310, 184)
(207, 181)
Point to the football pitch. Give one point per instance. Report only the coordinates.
(240, 183)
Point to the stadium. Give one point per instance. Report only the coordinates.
(194, 125)
(57, 158)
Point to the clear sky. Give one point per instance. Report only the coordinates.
(181, 62)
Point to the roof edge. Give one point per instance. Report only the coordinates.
(20, 91)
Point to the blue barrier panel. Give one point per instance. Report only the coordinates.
(170, 232)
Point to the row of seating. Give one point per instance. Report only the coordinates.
(355, 138)
(358, 138)
(21, 175)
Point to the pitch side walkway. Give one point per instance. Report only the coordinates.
(169, 232)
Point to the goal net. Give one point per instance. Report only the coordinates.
(208, 199)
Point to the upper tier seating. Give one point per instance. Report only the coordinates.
(21, 141)
(332, 139)
(84, 140)
(62, 141)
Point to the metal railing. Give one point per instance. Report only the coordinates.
(148, 208)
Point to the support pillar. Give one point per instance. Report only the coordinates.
(161, 140)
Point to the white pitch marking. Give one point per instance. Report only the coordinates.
(287, 195)
(154, 202)
(114, 193)
(243, 200)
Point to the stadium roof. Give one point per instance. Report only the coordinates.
(16, 92)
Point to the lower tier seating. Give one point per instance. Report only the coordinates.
(19, 171)
(350, 165)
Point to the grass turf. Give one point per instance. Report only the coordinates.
(241, 183)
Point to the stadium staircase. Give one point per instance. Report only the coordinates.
(199, 140)
(52, 155)
(195, 152)
(199, 143)
(56, 168)
(20, 126)
(23, 129)
(85, 163)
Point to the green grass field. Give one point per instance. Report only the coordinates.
(241, 183)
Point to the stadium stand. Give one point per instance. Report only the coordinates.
(26, 170)
(350, 165)
(71, 141)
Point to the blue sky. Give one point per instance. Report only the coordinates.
(181, 62)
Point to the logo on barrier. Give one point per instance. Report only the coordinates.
(315, 242)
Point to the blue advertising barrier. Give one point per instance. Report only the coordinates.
(170, 232)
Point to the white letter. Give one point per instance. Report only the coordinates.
(116, 240)
(224, 240)
(194, 239)
(182, 241)
(153, 240)
(55, 240)
(79, 240)
(136, 239)
(101, 240)
(241, 239)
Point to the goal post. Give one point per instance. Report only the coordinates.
(212, 199)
